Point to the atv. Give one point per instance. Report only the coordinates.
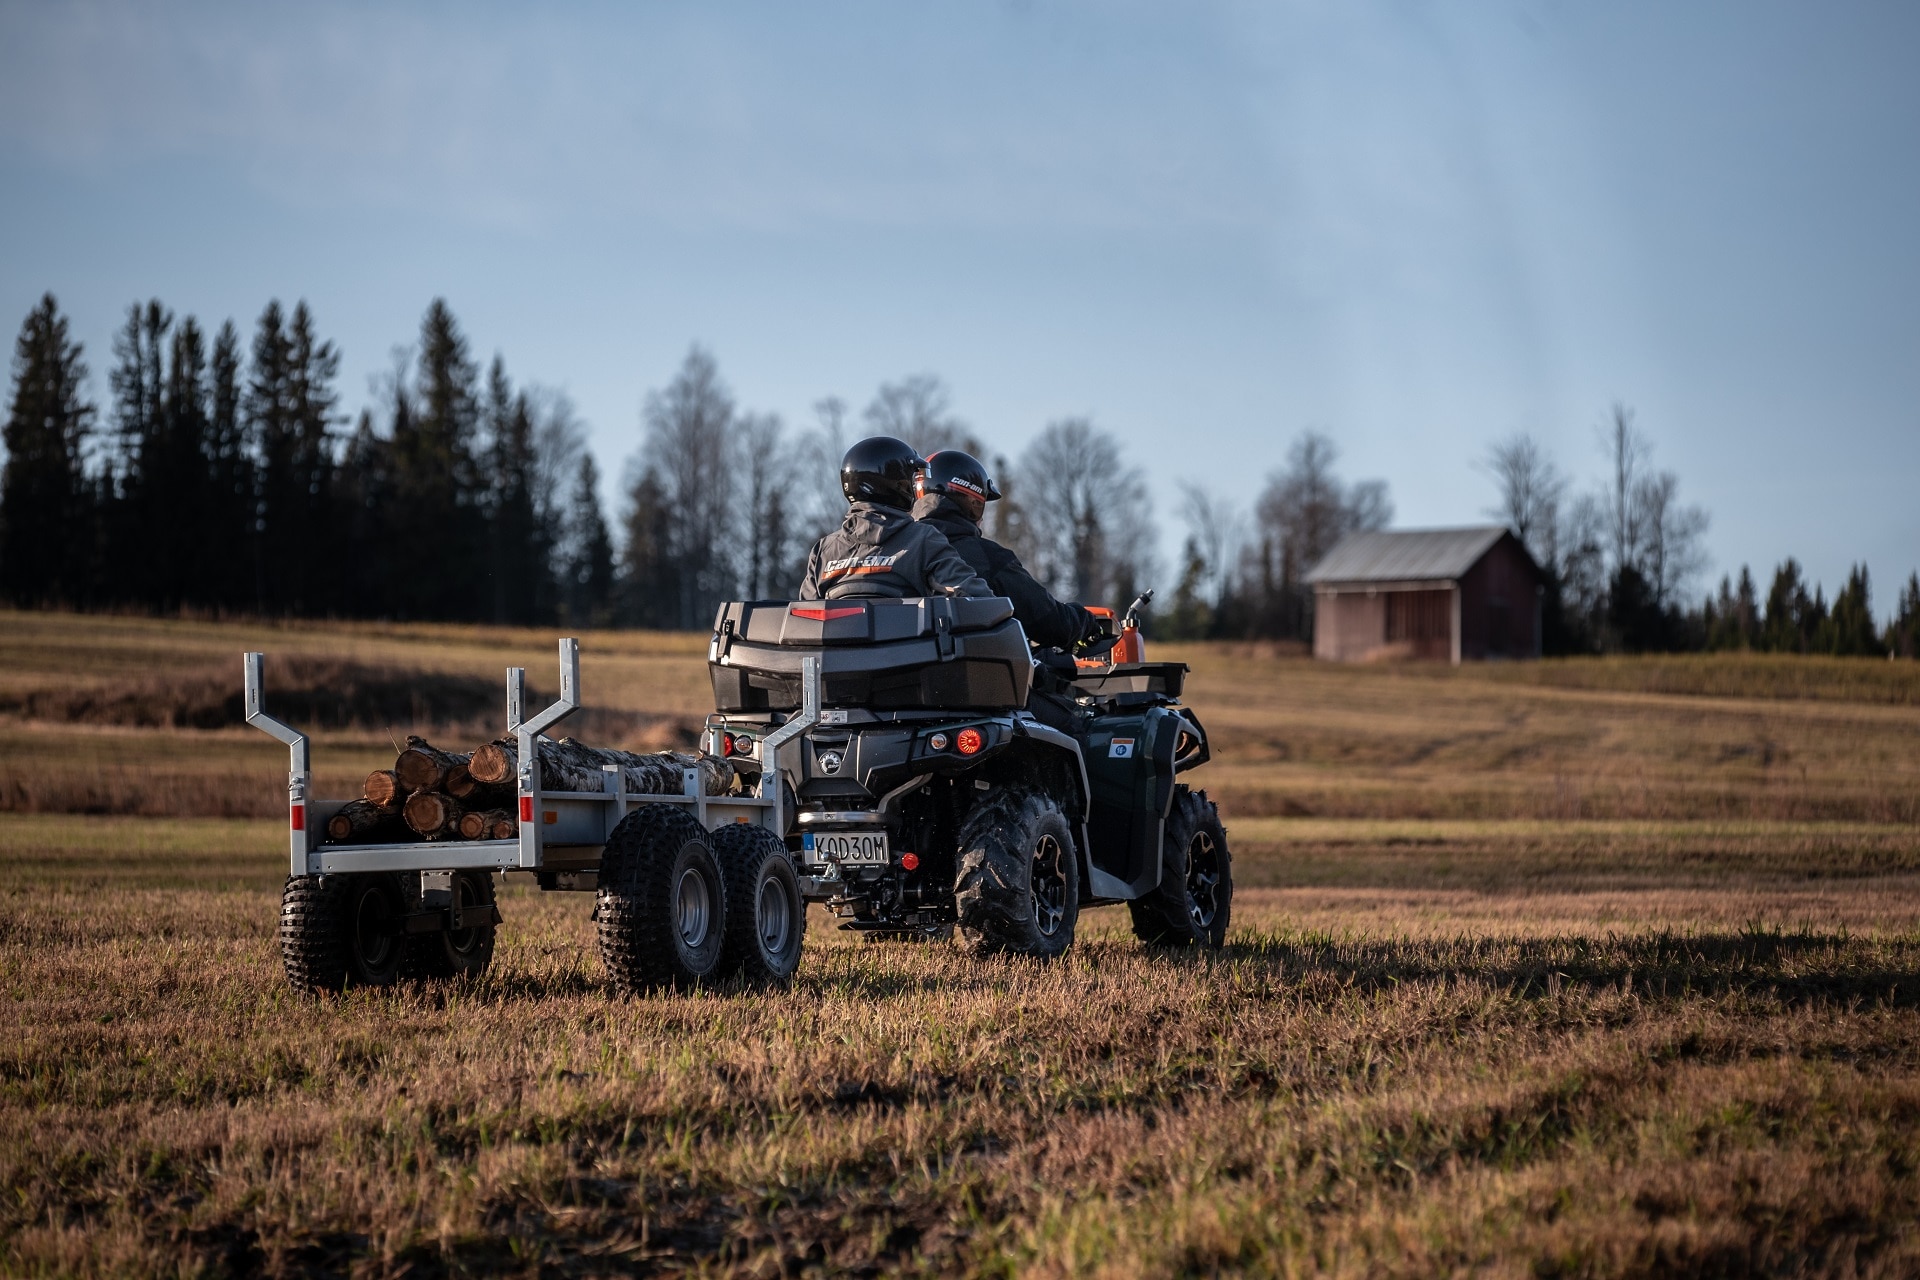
(938, 775)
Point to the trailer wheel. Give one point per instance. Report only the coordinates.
(341, 930)
(312, 933)
(766, 917)
(661, 910)
(465, 952)
(1194, 900)
(1017, 888)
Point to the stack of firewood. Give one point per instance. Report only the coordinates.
(431, 794)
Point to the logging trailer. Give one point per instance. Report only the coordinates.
(884, 759)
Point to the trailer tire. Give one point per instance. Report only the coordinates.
(661, 910)
(1194, 900)
(1017, 886)
(337, 931)
(459, 953)
(312, 945)
(766, 916)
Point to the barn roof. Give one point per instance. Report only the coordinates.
(1403, 555)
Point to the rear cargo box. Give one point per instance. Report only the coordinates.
(935, 653)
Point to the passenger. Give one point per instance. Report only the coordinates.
(954, 493)
(881, 550)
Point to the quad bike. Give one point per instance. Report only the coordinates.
(941, 775)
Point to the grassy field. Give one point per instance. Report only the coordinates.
(1567, 969)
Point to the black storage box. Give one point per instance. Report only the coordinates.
(933, 652)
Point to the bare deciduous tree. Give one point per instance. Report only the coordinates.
(766, 471)
(1306, 508)
(1531, 491)
(687, 450)
(1087, 523)
(918, 409)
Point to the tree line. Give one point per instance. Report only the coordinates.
(1618, 558)
(224, 476)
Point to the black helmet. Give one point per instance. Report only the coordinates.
(950, 470)
(880, 469)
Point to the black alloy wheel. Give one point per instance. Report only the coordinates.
(374, 919)
(1194, 901)
(1049, 880)
(1203, 879)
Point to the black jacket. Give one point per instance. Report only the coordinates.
(883, 551)
(1049, 623)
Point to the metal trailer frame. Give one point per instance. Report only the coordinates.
(561, 832)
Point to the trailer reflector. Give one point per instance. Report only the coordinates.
(526, 808)
(299, 817)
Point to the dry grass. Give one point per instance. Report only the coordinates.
(1669, 1042)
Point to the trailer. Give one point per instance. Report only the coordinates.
(665, 868)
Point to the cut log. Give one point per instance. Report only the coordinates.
(473, 793)
(504, 827)
(383, 790)
(433, 814)
(567, 765)
(423, 766)
(360, 821)
(481, 826)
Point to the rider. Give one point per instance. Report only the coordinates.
(954, 491)
(881, 550)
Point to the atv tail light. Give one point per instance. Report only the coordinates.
(909, 862)
(726, 744)
(968, 741)
(822, 613)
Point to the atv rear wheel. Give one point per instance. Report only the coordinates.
(766, 917)
(1192, 905)
(1018, 884)
(661, 911)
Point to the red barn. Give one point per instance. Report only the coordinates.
(1442, 594)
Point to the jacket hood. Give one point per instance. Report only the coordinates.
(941, 511)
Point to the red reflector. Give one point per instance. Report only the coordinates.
(299, 817)
(909, 862)
(824, 614)
(968, 741)
(526, 808)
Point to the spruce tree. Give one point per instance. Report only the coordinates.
(1849, 629)
(226, 522)
(518, 558)
(133, 566)
(1903, 633)
(46, 501)
(589, 558)
(439, 493)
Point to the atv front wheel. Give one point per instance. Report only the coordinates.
(1018, 885)
(767, 917)
(1195, 897)
(661, 912)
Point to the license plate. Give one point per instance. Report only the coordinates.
(848, 848)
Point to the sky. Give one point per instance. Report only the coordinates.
(1415, 227)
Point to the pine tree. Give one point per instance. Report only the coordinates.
(225, 524)
(439, 529)
(1849, 628)
(1784, 629)
(589, 558)
(1903, 633)
(650, 576)
(518, 556)
(133, 566)
(46, 502)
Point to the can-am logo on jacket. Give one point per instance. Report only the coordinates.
(859, 564)
(1120, 749)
